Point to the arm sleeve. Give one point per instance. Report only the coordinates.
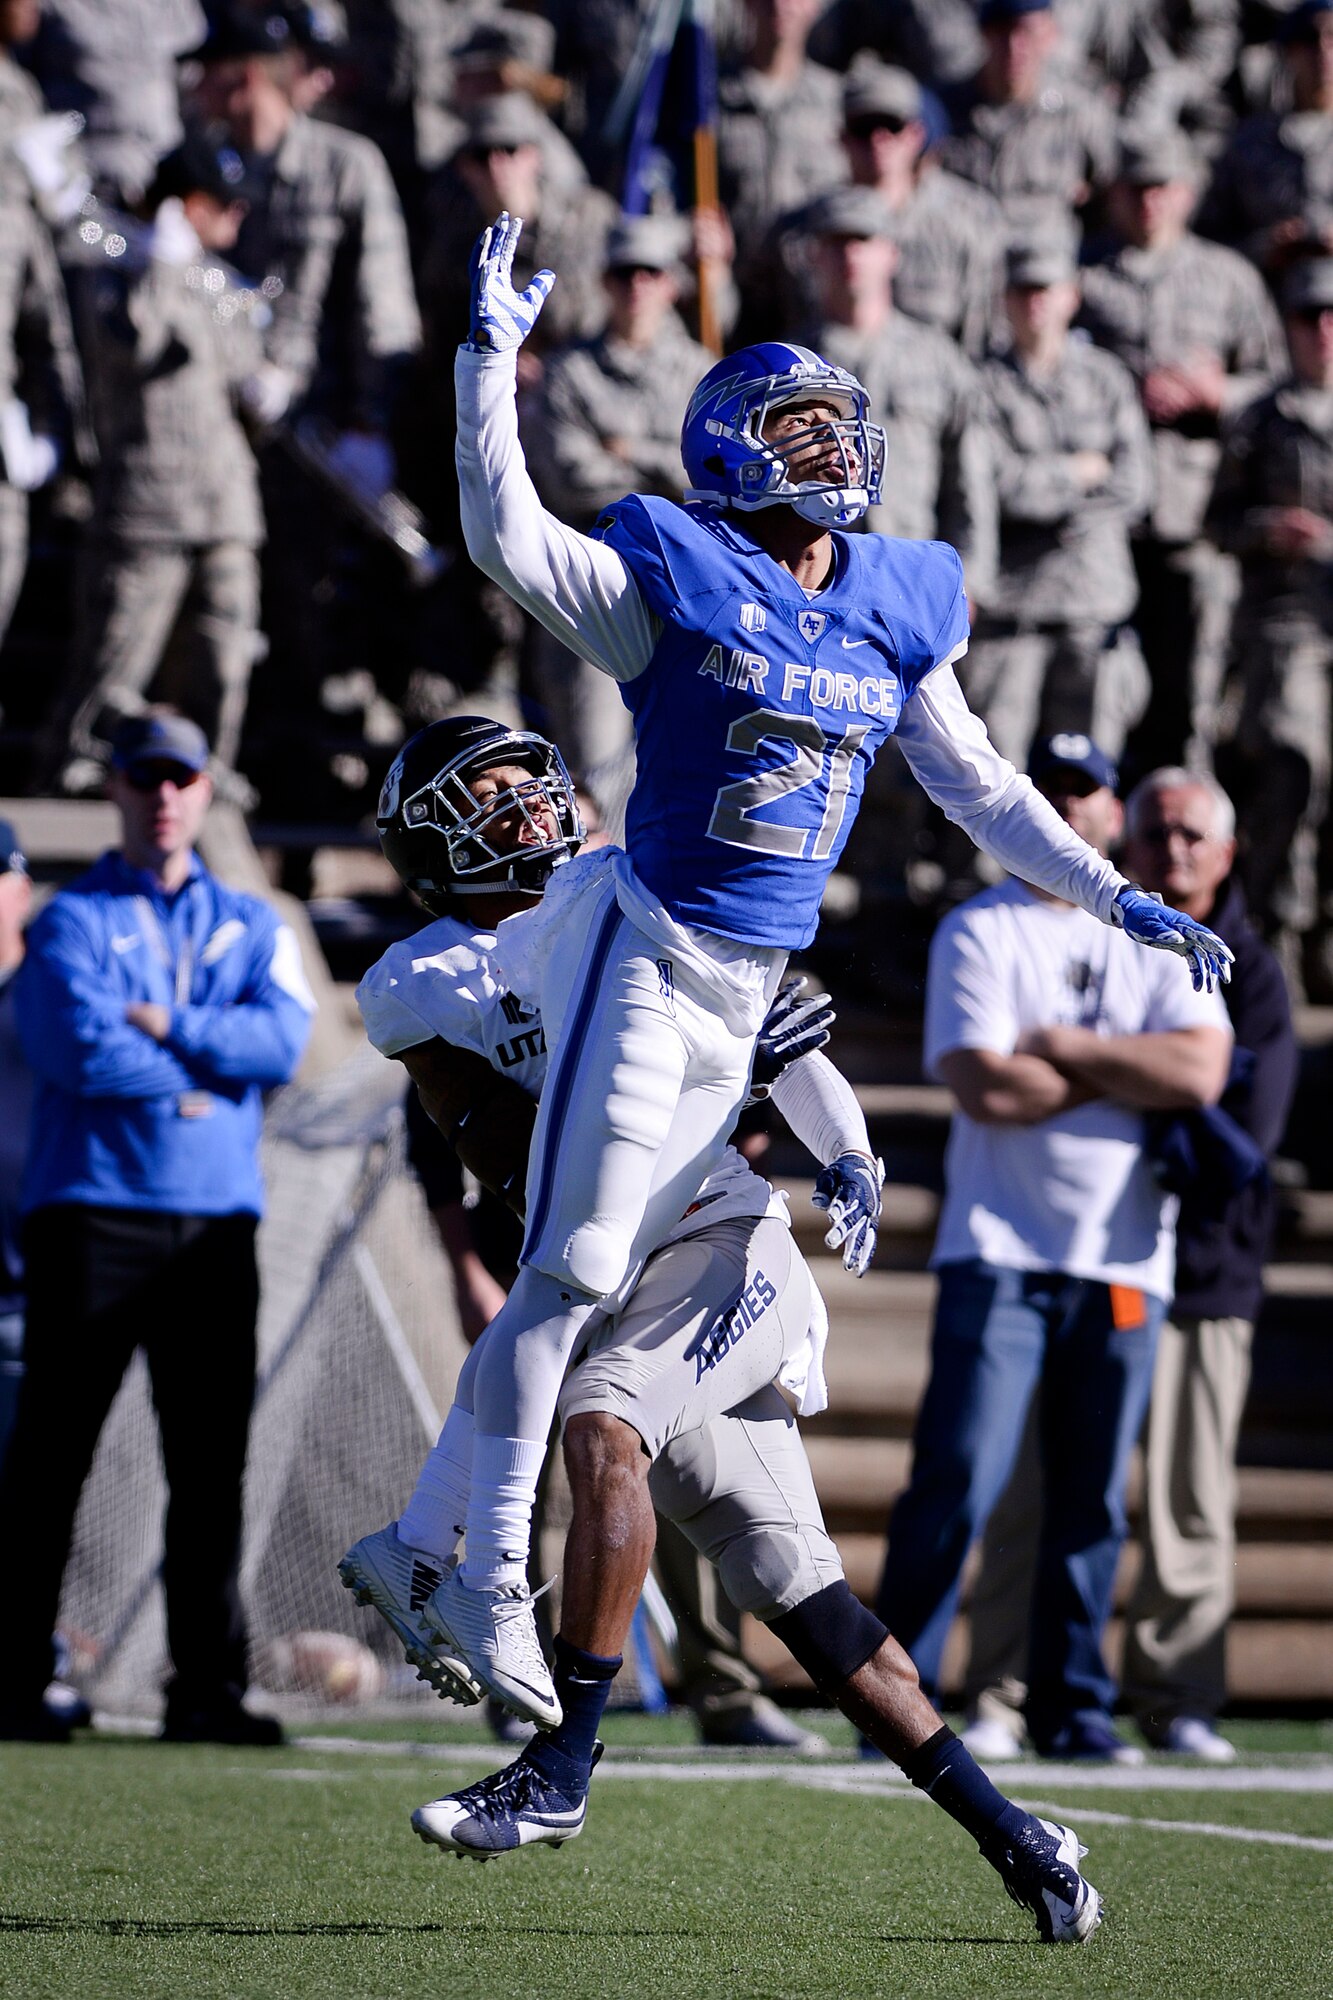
(954, 760)
(579, 589)
(74, 1033)
(260, 1036)
(821, 1108)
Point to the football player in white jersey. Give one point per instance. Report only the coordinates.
(672, 1401)
(766, 654)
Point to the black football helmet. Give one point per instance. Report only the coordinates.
(440, 841)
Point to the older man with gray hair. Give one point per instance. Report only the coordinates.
(1179, 841)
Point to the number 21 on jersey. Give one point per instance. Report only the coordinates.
(821, 766)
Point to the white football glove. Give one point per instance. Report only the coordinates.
(502, 318)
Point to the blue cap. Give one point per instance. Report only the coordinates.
(1010, 10)
(1070, 752)
(13, 861)
(1299, 24)
(159, 739)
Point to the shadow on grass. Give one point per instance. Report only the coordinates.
(14, 1925)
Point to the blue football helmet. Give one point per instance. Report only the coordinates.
(728, 462)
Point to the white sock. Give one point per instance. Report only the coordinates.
(435, 1516)
(505, 1472)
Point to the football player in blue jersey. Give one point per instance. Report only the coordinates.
(765, 655)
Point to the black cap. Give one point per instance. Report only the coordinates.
(236, 32)
(1010, 10)
(1308, 286)
(197, 166)
(1068, 751)
(13, 861)
(159, 739)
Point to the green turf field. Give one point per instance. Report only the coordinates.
(143, 1870)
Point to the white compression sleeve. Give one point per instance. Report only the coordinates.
(579, 589)
(953, 759)
(820, 1106)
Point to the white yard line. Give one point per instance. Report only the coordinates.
(851, 1781)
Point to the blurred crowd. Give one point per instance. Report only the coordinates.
(1080, 251)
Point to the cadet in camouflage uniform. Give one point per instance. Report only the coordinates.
(325, 237)
(950, 233)
(114, 62)
(170, 573)
(1194, 325)
(779, 116)
(1273, 507)
(608, 423)
(41, 386)
(1272, 189)
(1040, 145)
(935, 39)
(1073, 464)
(940, 485)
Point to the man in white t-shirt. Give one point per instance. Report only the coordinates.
(1055, 1252)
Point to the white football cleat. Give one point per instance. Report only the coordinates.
(516, 1807)
(1187, 1736)
(991, 1741)
(383, 1571)
(494, 1632)
(1043, 1876)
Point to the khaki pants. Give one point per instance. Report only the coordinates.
(1175, 1648)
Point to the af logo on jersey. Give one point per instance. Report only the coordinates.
(811, 625)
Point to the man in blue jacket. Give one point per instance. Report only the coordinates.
(155, 1006)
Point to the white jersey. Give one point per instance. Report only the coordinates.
(1074, 1193)
(443, 984)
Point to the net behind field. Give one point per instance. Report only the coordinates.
(358, 1350)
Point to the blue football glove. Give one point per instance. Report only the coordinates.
(796, 1023)
(1148, 920)
(849, 1188)
(502, 318)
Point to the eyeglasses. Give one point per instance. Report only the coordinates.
(148, 777)
(1162, 836)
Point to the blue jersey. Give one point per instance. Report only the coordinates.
(761, 709)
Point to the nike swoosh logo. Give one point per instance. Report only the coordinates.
(123, 944)
(849, 643)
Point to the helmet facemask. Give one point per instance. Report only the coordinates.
(753, 472)
(473, 862)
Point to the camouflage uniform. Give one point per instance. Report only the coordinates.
(777, 150)
(1279, 453)
(170, 571)
(326, 236)
(115, 64)
(598, 390)
(1275, 168)
(1050, 652)
(325, 232)
(950, 241)
(939, 483)
(39, 363)
(1153, 308)
(1037, 159)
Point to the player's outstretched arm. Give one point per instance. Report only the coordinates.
(579, 589)
(1148, 920)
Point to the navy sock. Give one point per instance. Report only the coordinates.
(946, 1772)
(583, 1683)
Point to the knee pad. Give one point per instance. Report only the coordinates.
(831, 1635)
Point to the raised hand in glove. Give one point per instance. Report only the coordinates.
(502, 318)
(1148, 920)
(849, 1189)
(796, 1023)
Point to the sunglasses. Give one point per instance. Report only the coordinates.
(866, 128)
(147, 777)
(1162, 836)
